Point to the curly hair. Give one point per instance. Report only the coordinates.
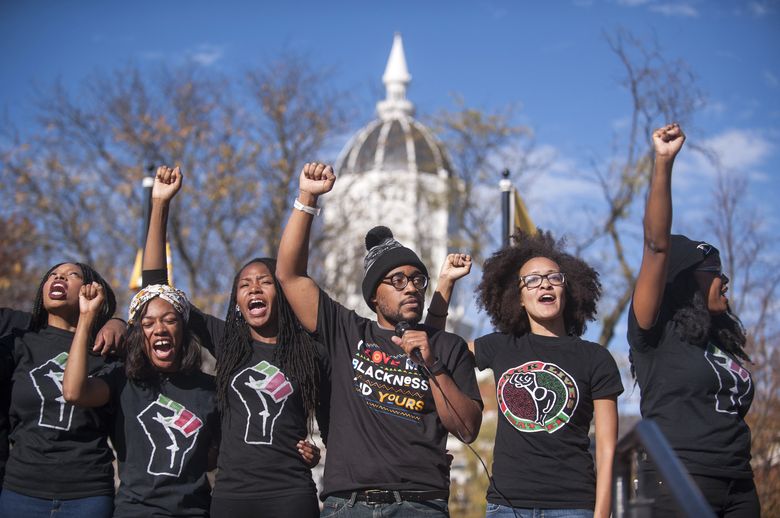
(40, 316)
(498, 292)
(295, 349)
(694, 323)
(138, 366)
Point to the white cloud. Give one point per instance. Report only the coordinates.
(740, 149)
(759, 8)
(685, 10)
(206, 54)
(771, 79)
(738, 152)
(632, 3)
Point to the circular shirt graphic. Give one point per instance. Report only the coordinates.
(537, 396)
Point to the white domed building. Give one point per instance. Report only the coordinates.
(393, 172)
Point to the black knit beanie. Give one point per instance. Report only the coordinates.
(686, 253)
(384, 254)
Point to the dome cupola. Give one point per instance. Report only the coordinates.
(395, 141)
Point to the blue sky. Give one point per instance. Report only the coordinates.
(551, 60)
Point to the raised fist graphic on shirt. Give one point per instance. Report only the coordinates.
(47, 380)
(734, 379)
(172, 431)
(263, 389)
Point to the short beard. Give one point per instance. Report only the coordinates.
(394, 315)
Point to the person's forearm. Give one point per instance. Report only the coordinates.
(606, 421)
(75, 377)
(459, 414)
(440, 303)
(658, 211)
(293, 258)
(154, 249)
(604, 461)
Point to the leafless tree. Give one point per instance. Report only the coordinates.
(76, 177)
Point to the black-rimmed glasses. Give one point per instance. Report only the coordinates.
(400, 280)
(535, 280)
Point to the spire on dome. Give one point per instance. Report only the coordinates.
(395, 78)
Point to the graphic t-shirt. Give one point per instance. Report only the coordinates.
(698, 396)
(385, 432)
(545, 387)
(162, 438)
(258, 454)
(59, 451)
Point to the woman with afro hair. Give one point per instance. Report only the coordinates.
(549, 381)
(268, 372)
(686, 350)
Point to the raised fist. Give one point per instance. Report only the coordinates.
(167, 183)
(317, 178)
(455, 266)
(91, 298)
(668, 140)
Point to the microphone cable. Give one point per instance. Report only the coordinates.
(400, 329)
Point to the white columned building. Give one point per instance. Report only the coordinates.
(392, 172)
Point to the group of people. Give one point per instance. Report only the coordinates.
(385, 392)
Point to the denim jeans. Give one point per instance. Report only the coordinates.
(502, 511)
(14, 505)
(341, 507)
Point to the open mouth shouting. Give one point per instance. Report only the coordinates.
(547, 299)
(163, 349)
(58, 290)
(257, 307)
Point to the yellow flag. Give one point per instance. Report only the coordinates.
(522, 221)
(136, 282)
(169, 262)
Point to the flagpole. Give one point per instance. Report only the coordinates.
(506, 188)
(148, 183)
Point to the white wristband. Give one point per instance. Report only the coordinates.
(314, 211)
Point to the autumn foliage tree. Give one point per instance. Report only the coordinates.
(76, 178)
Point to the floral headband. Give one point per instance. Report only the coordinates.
(175, 297)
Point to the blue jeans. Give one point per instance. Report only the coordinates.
(502, 511)
(341, 507)
(14, 505)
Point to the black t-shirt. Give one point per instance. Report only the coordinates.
(9, 320)
(545, 387)
(258, 454)
(162, 437)
(385, 432)
(59, 451)
(265, 422)
(698, 396)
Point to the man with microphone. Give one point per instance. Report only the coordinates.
(397, 387)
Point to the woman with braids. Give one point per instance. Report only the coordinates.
(687, 354)
(268, 373)
(60, 461)
(549, 381)
(165, 418)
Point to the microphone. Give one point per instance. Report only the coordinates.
(402, 327)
